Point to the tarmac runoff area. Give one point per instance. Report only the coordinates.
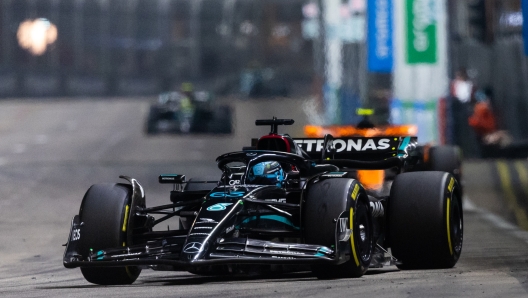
(51, 152)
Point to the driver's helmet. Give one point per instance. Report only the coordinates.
(266, 173)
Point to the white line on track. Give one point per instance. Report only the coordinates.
(496, 220)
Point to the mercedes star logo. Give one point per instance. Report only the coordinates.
(192, 247)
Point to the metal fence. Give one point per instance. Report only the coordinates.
(121, 47)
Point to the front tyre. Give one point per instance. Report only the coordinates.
(425, 220)
(104, 214)
(337, 212)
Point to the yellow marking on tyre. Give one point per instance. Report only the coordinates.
(124, 228)
(352, 236)
(448, 226)
(509, 195)
(355, 192)
(451, 184)
(127, 269)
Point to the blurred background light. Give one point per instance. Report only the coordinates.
(36, 35)
(512, 19)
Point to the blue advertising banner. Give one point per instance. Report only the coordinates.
(380, 46)
(525, 25)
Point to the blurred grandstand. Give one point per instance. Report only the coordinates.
(143, 47)
(253, 48)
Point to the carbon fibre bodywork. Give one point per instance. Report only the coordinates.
(235, 222)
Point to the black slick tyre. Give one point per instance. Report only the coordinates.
(425, 220)
(104, 213)
(446, 159)
(328, 204)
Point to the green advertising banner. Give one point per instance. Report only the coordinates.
(421, 31)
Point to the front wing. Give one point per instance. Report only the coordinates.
(170, 252)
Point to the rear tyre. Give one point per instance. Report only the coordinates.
(425, 220)
(328, 204)
(103, 214)
(446, 159)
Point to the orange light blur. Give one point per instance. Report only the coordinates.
(315, 131)
(371, 179)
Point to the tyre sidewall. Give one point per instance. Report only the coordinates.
(104, 213)
(327, 203)
(420, 220)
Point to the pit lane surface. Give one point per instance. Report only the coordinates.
(51, 152)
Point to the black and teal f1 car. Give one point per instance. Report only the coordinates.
(276, 203)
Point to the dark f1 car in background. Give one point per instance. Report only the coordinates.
(276, 204)
(188, 112)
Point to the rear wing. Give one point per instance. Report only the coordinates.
(360, 148)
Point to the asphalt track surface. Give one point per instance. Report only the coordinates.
(52, 151)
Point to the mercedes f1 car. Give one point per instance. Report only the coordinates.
(194, 112)
(280, 203)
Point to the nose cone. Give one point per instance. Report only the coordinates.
(193, 249)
